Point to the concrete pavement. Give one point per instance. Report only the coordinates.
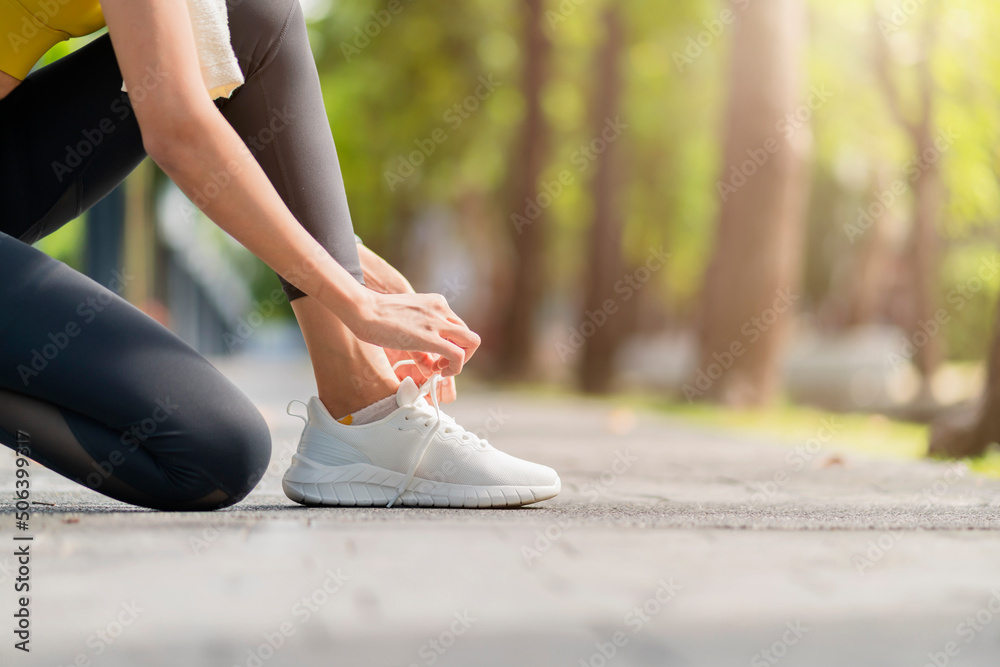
(669, 545)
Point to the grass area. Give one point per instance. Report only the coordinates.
(874, 435)
(793, 424)
(788, 424)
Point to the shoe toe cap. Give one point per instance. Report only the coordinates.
(536, 474)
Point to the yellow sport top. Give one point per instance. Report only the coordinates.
(29, 28)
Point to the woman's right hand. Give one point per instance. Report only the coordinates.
(415, 322)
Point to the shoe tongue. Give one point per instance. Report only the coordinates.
(407, 393)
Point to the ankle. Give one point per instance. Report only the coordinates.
(340, 403)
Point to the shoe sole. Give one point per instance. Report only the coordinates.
(365, 485)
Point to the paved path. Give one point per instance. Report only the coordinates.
(669, 545)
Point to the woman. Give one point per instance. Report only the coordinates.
(99, 392)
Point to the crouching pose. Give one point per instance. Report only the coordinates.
(122, 405)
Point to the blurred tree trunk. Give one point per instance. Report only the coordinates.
(867, 281)
(927, 199)
(605, 265)
(752, 280)
(140, 236)
(528, 233)
(969, 431)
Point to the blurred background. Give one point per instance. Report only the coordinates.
(742, 212)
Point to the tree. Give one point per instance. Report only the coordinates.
(969, 431)
(752, 279)
(922, 255)
(527, 222)
(605, 265)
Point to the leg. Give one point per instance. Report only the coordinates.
(107, 397)
(280, 114)
(113, 400)
(350, 374)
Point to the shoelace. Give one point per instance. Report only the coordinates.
(428, 387)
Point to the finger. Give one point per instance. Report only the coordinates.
(425, 363)
(447, 358)
(455, 319)
(450, 314)
(395, 356)
(452, 358)
(466, 339)
(446, 390)
(462, 336)
(411, 372)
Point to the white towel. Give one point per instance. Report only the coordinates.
(219, 68)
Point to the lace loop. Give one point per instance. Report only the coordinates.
(428, 387)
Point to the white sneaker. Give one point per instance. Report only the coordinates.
(416, 456)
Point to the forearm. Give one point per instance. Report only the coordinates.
(187, 136)
(212, 166)
(380, 276)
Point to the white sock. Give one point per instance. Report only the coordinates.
(371, 413)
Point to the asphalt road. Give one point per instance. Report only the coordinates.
(669, 545)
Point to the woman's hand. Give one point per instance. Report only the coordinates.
(415, 322)
(382, 277)
(446, 389)
(183, 131)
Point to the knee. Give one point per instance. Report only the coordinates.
(221, 463)
(248, 453)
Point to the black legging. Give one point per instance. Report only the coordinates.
(104, 394)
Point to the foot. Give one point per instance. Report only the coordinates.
(416, 456)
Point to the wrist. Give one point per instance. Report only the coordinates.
(338, 290)
(358, 306)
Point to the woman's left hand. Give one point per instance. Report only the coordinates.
(381, 276)
(446, 387)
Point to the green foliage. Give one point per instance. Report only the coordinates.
(397, 88)
(394, 92)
